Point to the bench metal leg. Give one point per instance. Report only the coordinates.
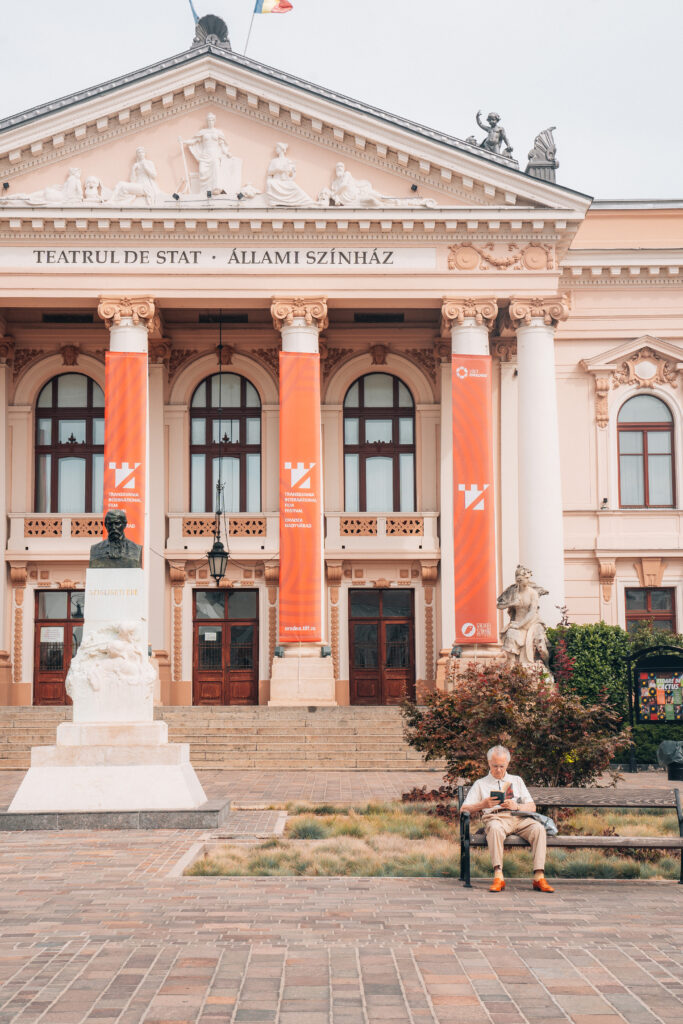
(465, 859)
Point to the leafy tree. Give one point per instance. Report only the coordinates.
(556, 738)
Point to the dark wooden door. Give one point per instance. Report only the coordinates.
(225, 658)
(381, 646)
(58, 632)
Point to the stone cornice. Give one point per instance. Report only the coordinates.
(312, 310)
(137, 308)
(550, 310)
(454, 312)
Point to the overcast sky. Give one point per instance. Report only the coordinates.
(607, 73)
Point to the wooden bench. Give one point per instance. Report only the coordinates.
(593, 798)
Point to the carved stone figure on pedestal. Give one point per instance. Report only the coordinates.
(524, 638)
(142, 182)
(495, 134)
(542, 158)
(117, 552)
(219, 172)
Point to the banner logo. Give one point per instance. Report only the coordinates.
(300, 475)
(474, 494)
(468, 629)
(124, 475)
(461, 372)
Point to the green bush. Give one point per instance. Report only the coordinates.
(559, 738)
(591, 661)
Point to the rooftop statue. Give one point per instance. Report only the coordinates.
(142, 184)
(117, 552)
(218, 172)
(542, 158)
(495, 134)
(524, 638)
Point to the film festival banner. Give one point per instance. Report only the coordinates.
(473, 520)
(300, 498)
(125, 430)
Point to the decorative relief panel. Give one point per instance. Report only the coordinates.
(404, 526)
(354, 527)
(86, 526)
(42, 527)
(426, 359)
(239, 526)
(331, 357)
(467, 257)
(642, 369)
(23, 357)
(271, 358)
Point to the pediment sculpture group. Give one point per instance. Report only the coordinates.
(212, 173)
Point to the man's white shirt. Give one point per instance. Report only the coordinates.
(482, 788)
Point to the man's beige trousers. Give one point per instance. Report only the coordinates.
(500, 825)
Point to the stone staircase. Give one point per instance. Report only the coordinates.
(247, 737)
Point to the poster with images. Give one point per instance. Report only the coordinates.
(659, 695)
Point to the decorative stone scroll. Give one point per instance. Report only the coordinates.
(607, 570)
(650, 571)
(456, 311)
(312, 311)
(112, 310)
(550, 310)
(467, 257)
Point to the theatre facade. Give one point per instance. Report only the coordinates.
(222, 216)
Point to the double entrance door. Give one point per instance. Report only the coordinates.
(58, 632)
(225, 659)
(382, 646)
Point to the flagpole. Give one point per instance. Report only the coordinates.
(251, 25)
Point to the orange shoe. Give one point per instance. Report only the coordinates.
(498, 885)
(541, 885)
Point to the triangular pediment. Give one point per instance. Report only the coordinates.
(645, 348)
(389, 163)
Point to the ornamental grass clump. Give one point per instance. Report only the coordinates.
(555, 738)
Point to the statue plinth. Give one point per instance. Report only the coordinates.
(113, 756)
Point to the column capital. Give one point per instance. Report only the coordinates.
(140, 309)
(454, 312)
(551, 310)
(312, 310)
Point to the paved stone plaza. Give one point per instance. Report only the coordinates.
(102, 927)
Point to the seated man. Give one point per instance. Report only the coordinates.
(499, 822)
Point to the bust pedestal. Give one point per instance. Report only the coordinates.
(113, 756)
(302, 678)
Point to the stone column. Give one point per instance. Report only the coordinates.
(541, 539)
(466, 324)
(6, 356)
(129, 321)
(159, 353)
(303, 677)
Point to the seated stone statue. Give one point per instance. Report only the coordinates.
(117, 552)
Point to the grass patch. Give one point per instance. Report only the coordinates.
(383, 840)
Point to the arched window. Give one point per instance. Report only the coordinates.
(379, 445)
(70, 445)
(646, 471)
(233, 439)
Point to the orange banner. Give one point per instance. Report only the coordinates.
(476, 618)
(125, 431)
(300, 498)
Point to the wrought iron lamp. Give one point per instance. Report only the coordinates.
(217, 557)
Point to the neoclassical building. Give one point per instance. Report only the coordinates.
(221, 213)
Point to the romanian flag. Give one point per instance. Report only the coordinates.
(273, 7)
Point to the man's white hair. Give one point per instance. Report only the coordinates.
(501, 751)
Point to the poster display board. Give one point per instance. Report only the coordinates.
(300, 498)
(659, 693)
(473, 515)
(125, 432)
